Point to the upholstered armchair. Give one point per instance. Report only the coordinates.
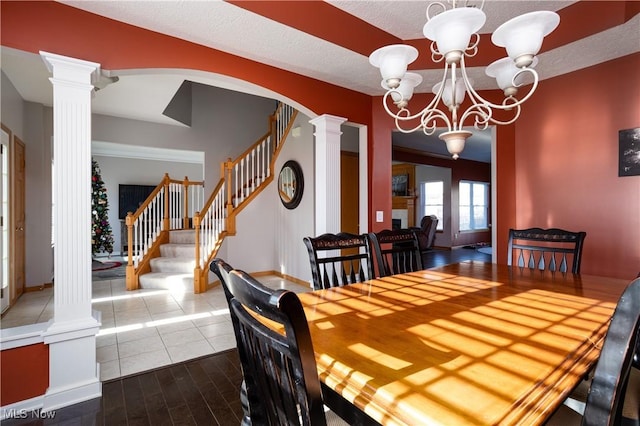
(426, 232)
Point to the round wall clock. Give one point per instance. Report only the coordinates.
(290, 184)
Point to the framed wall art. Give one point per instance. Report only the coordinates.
(629, 152)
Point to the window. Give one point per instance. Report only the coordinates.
(474, 205)
(432, 199)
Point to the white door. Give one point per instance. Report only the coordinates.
(4, 221)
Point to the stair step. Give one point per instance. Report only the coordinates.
(173, 264)
(182, 236)
(168, 281)
(178, 250)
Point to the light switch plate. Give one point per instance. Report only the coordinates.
(379, 216)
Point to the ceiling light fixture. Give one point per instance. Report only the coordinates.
(451, 32)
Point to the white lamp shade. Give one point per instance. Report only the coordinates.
(404, 91)
(447, 93)
(522, 36)
(392, 61)
(504, 70)
(452, 29)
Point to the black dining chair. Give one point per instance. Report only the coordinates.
(222, 270)
(397, 251)
(278, 366)
(614, 394)
(339, 259)
(545, 249)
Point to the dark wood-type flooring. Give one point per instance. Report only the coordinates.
(204, 391)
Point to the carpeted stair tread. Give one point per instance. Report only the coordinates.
(173, 264)
(178, 250)
(168, 281)
(182, 237)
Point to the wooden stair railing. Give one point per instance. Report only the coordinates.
(241, 181)
(171, 205)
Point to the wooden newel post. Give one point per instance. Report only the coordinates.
(185, 215)
(230, 225)
(227, 177)
(166, 226)
(130, 272)
(199, 281)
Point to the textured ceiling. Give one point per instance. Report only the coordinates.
(328, 41)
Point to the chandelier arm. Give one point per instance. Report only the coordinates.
(403, 114)
(517, 111)
(483, 115)
(477, 99)
(430, 116)
(472, 49)
(403, 130)
(429, 14)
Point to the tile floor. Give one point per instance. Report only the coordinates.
(146, 329)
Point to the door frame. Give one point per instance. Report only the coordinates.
(5, 218)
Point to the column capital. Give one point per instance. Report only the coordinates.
(68, 69)
(328, 124)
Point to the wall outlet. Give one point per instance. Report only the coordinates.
(379, 216)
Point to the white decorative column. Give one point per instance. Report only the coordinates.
(74, 374)
(327, 179)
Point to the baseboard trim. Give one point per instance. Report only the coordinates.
(63, 397)
(38, 287)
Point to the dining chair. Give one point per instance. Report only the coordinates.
(397, 251)
(276, 354)
(339, 259)
(549, 249)
(614, 393)
(222, 270)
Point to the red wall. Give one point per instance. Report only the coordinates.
(566, 163)
(24, 373)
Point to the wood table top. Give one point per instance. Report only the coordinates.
(468, 343)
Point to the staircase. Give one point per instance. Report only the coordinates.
(173, 269)
(175, 233)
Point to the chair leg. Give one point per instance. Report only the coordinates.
(244, 400)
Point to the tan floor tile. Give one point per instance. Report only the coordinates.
(189, 350)
(181, 337)
(139, 346)
(144, 361)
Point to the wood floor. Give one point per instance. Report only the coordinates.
(204, 391)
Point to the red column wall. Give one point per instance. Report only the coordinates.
(24, 373)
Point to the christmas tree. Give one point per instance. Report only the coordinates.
(101, 235)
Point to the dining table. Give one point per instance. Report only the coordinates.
(467, 343)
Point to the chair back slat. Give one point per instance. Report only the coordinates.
(550, 249)
(397, 251)
(339, 259)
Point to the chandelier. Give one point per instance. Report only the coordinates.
(453, 35)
